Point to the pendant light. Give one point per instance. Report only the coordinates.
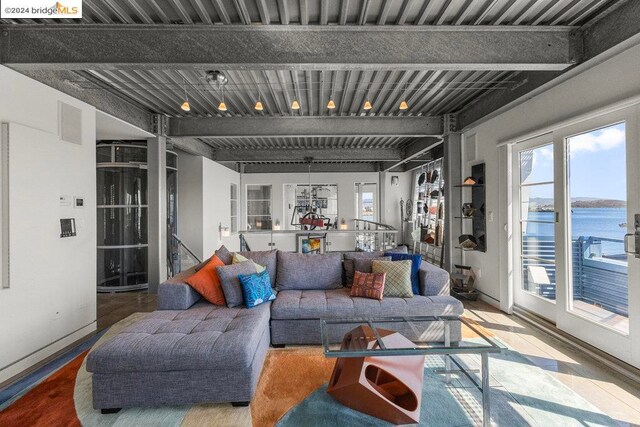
(185, 105)
(222, 106)
(331, 105)
(259, 106)
(403, 104)
(295, 105)
(367, 105)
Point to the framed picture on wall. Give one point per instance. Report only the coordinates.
(311, 243)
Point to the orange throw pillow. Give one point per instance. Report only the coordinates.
(206, 282)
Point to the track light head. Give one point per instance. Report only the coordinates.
(216, 78)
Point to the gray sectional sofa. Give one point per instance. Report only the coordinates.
(190, 351)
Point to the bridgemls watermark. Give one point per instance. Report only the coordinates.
(66, 9)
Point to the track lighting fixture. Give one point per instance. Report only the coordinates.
(295, 105)
(367, 105)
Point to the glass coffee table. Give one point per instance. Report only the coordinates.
(408, 340)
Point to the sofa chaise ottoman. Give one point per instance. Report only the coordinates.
(177, 357)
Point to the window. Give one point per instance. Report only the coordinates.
(233, 200)
(259, 207)
(366, 201)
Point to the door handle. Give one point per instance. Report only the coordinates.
(636, 245)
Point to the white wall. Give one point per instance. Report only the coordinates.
(203, 203)
(611, 81)
(51, 301)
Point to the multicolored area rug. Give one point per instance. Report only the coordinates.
(291, 392)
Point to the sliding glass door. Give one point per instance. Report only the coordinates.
(575, 194)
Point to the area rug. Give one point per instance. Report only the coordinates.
(291, 392)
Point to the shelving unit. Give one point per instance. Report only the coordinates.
(429, 213)
(475, 224)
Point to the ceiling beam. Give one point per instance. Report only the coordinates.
(301, 155)
(610, 33)
(287, 47)
(413, 150)
(101, 97)
(315, 167)
(332, 126)
(194, 146)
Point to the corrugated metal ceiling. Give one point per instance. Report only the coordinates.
(341, 12)
(427, 92)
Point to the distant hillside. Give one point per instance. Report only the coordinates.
(599, 203)
(545, 204)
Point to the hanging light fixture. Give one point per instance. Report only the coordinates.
(295, 105)
(403, 104)
(367, 105)
(222, 106)
(185, 105)
(259, 106)
(331, 105)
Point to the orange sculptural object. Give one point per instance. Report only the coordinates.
(387, 387)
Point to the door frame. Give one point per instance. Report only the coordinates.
(624, 347)
(599, 335)
(541, 306)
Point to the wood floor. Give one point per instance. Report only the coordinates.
(116, 306)
(611, 392)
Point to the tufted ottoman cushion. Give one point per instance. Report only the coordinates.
(294, 305)
(205, 337)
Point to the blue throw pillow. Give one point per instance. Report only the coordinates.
(416, 260)
(256, 288)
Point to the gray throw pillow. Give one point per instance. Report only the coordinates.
(363, 265)
(224, 255)
(228, 275)
(349, 267)
(308, 272)
(267, 258)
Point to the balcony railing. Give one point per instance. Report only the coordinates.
(599, 270)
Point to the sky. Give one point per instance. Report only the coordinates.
(597, 165)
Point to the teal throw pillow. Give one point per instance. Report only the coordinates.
(256, 288)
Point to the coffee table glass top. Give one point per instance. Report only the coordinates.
(366, 336)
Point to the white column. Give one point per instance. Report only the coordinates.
(157, 194)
